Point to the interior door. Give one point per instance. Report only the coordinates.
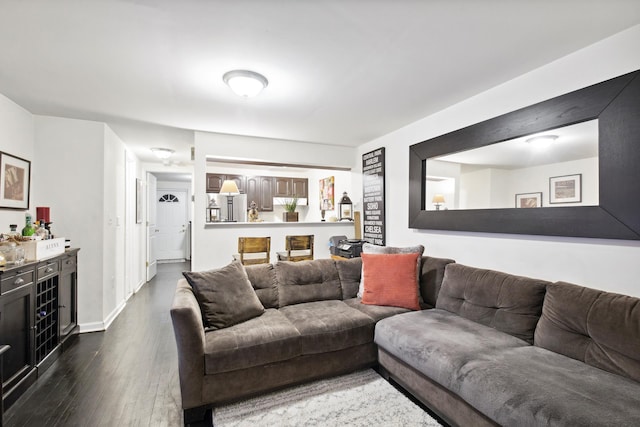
(171, 224)
(152, 230)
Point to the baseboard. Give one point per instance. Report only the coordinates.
(112, 316)
(139, 286)
(102, 326)
(91, 327)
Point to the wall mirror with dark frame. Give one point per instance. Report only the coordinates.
(596, 193)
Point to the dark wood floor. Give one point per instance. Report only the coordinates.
(126, 376)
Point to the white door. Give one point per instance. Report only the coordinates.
(152, 229)
(172, 224)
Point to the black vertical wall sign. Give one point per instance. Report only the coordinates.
(373, 200)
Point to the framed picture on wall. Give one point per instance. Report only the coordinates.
(327, 193)
(529, 200)
(565, 189)
(15, 180)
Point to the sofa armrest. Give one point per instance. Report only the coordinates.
(189, 332)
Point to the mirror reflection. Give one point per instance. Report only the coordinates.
(555, 168)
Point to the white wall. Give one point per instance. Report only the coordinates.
(80, 174)
(16, 138)
(114, 294)
(69, 179)
(605, 264)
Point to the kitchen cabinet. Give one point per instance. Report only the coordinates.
(215, 180)
(260, 190)
(38, 317)
(300, 188)
(283, 187)
(291, 187)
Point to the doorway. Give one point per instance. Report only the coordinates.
(172, 224)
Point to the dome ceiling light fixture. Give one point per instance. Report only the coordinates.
(245, 83)
(162, 153)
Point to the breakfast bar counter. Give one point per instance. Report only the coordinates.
(220, 240)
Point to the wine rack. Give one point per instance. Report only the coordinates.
(46, 317)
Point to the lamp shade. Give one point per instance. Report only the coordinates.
(438, 198)
(229, 188)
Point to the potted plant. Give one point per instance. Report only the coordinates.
(290, 214)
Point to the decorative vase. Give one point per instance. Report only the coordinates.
(290, 216)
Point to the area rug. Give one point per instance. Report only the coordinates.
(359, 399)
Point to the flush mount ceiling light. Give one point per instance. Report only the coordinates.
(162, 153)
(542, 139)
(245, 83)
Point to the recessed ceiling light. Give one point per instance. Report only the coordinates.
(245, 83)
(162, 153)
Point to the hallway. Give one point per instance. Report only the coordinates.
(125, 376)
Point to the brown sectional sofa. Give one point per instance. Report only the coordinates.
(490, 349)
(313, 327)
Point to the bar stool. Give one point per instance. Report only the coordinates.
(298, 248)
(258, 248)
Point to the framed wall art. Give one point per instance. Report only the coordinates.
(565, 189)
(529, 200)
(327, 200)
(15, 182)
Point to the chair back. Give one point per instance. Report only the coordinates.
(258, 247)
(299, 248)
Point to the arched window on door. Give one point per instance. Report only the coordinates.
(169, 198)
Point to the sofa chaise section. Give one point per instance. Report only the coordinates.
(507, 350)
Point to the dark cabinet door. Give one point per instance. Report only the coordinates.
(67, 296)
(253, 190)
(17, 316)
(240, 182)
(283, 187)
(260, 190)
(300, 187)
(266, 192)
(214, 182)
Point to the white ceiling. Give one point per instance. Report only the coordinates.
(340, 71)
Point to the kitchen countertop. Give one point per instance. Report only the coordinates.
(278, 223)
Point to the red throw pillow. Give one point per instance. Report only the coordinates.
(390, 279)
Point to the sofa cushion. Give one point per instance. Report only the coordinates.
(326, 326)
(431, 276)
(376, 312)
(349, 272)
(391, 279)
(509, 303)
(439, 343)
(306, 281)
(266, 339)
(368, 248)
(599, 328)
(225, 295)
(263, 280)
(531, 386)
